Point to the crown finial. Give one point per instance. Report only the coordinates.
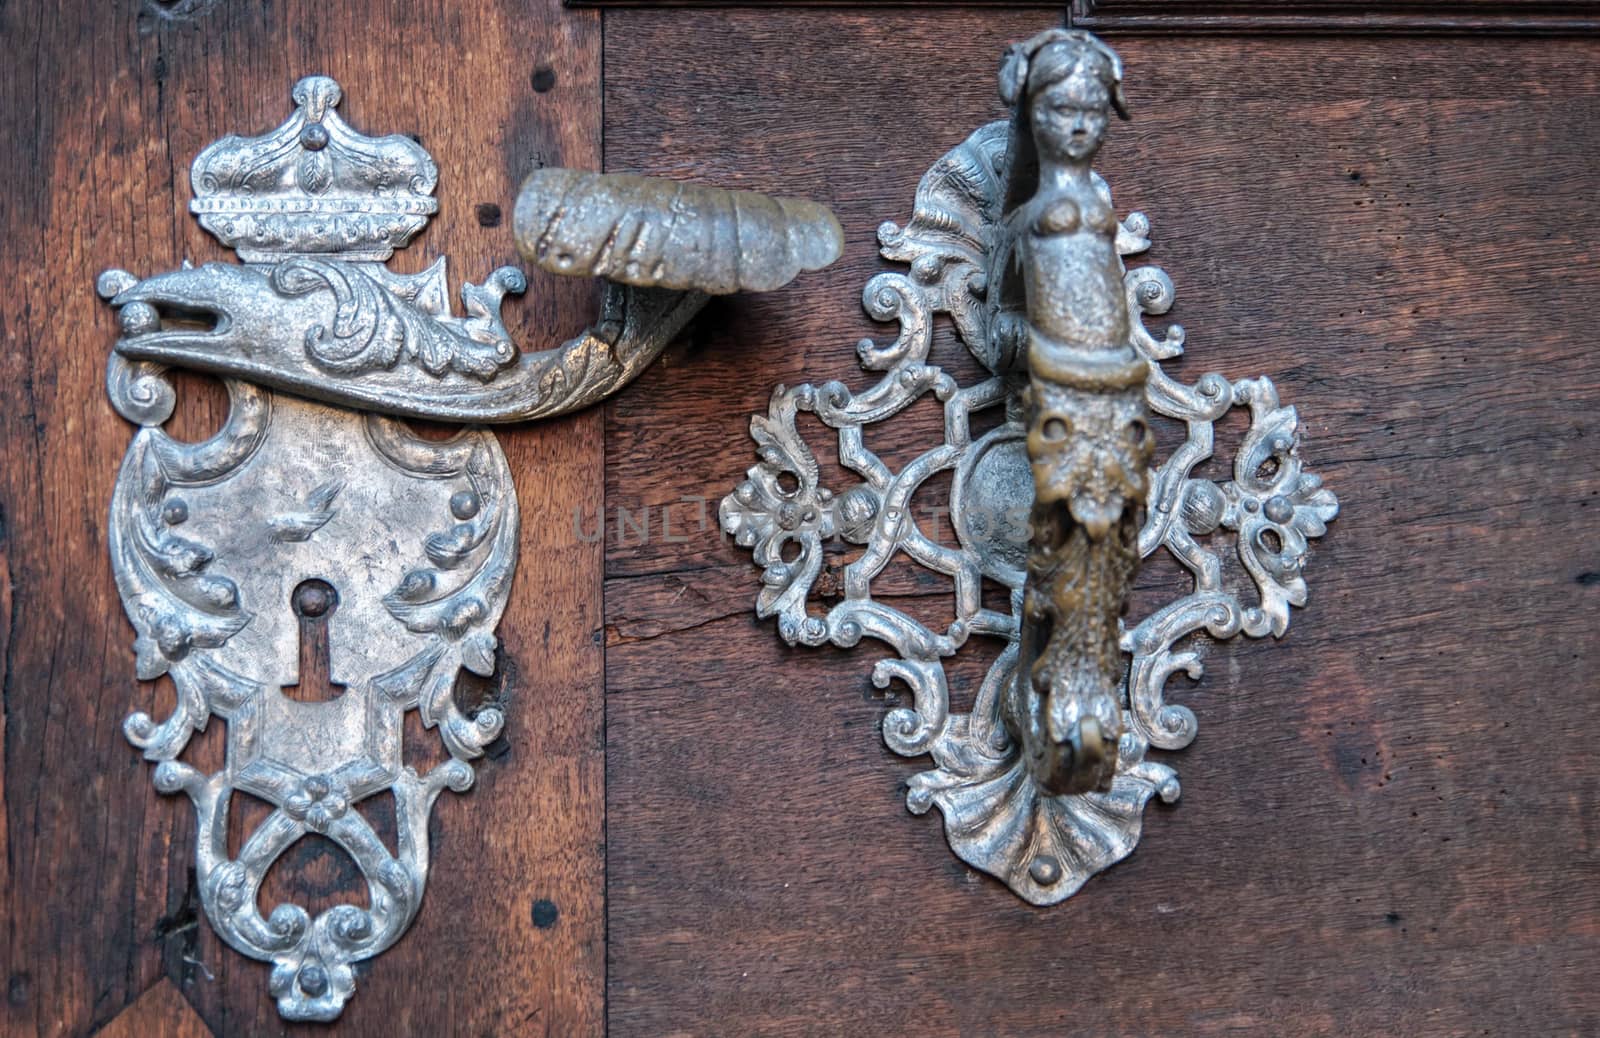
(314, 186)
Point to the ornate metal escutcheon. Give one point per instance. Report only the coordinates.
(1013, 237)
(317, 513)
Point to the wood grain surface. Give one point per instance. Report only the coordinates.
(1388, 823)
(1339, 17)
(161, 1012)
(102, 107)
(1255, 17)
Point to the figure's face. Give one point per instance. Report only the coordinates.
(1069, 117)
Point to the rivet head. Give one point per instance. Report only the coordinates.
(114, 281)
(856, 509)
(138, 319)
(312, 600)
(545, 913)
(1279, 508)
(313, 981)
(464, 504)
(1045, 870)
(175, 512)
(314, 137)
(1203, 506)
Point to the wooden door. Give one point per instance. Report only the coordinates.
(105, 105)
(1387, 824)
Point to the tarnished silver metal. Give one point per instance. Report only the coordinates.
(314, 208)
(209, 543)
(970, 216)
(300, 511)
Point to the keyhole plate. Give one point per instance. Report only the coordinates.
(210, 542)
(314, 602)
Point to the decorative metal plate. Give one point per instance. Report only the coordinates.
(210, 543)
(296, 512)
(996, 818)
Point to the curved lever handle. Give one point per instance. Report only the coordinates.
(1088, 434)
(209, 540)
(270, 325)
(314, 310)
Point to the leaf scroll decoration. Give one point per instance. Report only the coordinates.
(381, 318)
(996, 819)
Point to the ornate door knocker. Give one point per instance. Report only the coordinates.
(1014, 238)
(315, 511)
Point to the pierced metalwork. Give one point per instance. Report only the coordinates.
(998, 815)
(301, 511)
(209, 542)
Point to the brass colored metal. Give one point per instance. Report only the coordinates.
(1088, 431)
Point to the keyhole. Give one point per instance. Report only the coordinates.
(314, 602)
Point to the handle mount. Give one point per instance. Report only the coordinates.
(1013, 238)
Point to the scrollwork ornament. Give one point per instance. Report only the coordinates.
(298, 510)
(209, 542)
(1044, 847)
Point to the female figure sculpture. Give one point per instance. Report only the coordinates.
(1088, 440)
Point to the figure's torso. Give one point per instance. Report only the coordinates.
(1073, 278)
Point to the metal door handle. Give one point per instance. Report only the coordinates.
(1013, 238)
(314, 209)
(399, 548)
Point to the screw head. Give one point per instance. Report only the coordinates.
(313, 980)
(1045, 870)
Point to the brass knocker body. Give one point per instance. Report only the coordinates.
(1088, 433)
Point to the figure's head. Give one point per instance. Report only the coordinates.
(1064, 83)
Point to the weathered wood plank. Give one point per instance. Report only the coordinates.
(160, 1012)
(1257, 17)
(102, 108)
(1336, 17)
(1388, 821)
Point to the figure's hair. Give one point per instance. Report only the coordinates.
(1029, 67)
(1039, 62)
